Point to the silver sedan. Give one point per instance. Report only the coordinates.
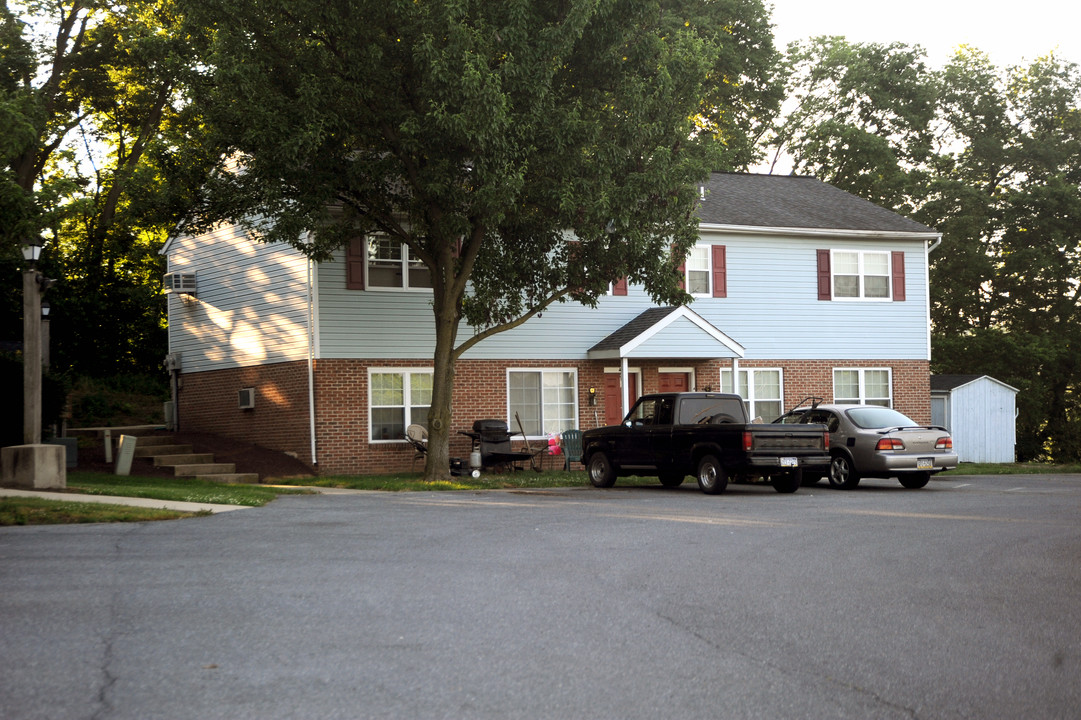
(876, 441)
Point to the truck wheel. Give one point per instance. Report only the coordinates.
(788, 482)
(712, 479)
(842, 474)
(914, 481)
(671, 478)
(601, 472)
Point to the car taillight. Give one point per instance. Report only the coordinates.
(944, 443)
(747, 442)
(890, 444)
(826, 435)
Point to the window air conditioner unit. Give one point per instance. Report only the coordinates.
(246, 398)
(176, 282)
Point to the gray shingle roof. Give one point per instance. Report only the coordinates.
(633, 329)
(949, 382)
(788, 201)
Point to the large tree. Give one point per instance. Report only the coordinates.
(95, 94)
(527, 152)
(991, 157)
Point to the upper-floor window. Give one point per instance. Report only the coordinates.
(381, 262)
(861, 275)
(705, 271)
(862, 386)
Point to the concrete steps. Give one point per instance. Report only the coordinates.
(164, 451)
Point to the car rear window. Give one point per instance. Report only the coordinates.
(879, 417)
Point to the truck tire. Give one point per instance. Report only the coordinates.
(601, 472)
(788, 482)
(842, 474)
(712, 479)
(671, 478)
(914, 481)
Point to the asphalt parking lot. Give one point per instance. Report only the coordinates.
(960, 600)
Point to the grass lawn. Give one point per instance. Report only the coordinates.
(183, 489)
(1012, 469)
(35, 511)
(31, 511)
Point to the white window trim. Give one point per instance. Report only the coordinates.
(511, 423)
(405, 373)
(862, 275)
(749, 402)
(863, 383)
(708, 247)
(405, 270)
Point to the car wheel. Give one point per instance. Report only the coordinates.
(788, 482)
(601, 472)
(914, 481)
(712, 478)
(671, 479)
(842, 474)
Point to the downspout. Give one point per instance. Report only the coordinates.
(927, 288)
(311, 361)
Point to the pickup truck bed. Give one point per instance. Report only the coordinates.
(672, 435)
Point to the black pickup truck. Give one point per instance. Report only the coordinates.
(707, 435)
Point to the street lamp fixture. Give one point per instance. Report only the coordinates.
(45, 309)
(32, 252)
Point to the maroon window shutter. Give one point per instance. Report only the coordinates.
(824, 279)
(720, 272)
(355, 252)
(898, 258)
(619, 287)
(683, 276)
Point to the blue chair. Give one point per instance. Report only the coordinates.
(571, 442)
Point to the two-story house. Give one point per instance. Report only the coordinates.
(800, 290)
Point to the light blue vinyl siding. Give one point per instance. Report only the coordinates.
(251, 304)
(772, 310)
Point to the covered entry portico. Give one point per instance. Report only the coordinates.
(675, 335)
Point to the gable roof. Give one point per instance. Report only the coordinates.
(945, 383)
(646, 336)
(790, 201)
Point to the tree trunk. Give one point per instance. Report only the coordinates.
(445, 307)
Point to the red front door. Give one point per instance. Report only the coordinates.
(673, 382)
(613, 409)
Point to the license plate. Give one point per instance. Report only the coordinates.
(925, 463)
(789, 462)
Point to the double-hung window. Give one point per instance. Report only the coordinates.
(546, 401)
(396, 400)
(861, 275)
(392, 265)
(862, 386)
(762, 390)
(705, 271)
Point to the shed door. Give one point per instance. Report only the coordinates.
(939, 415)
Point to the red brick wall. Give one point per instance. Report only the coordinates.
(208, 401)
(805, 378)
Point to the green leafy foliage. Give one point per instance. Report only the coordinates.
(530, 151)
(992, 159)
(96, 94)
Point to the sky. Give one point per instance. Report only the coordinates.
(1009, 32)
